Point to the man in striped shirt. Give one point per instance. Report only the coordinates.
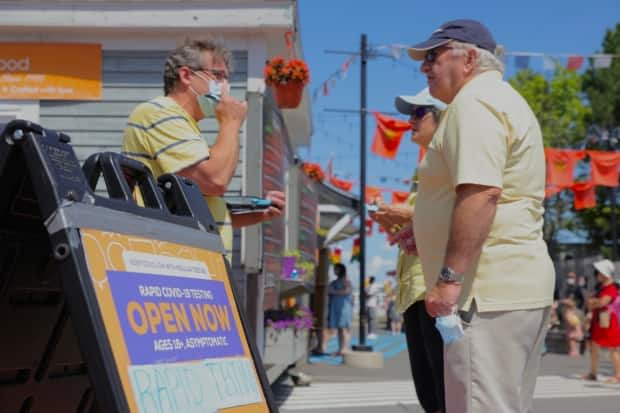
(163, 133)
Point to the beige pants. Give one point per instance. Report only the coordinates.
(493, 368)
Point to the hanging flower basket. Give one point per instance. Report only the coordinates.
(287, 79)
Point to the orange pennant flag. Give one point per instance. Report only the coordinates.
(372, 192)
(585, 196)
(341, 183)
(561, 165)
(388, 135)
(398, 197)
(604, 167)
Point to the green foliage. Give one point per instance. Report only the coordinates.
(602, 86)
(558, 103)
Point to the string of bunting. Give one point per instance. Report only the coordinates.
(521, 60)
(328, 84)
(561, 163)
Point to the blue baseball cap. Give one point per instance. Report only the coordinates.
(407, 104)
(462, 30)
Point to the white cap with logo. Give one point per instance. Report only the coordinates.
(407, 104)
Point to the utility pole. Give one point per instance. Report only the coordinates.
(363, 110)
(362, 346)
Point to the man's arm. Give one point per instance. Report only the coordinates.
(214, 174)
(472, 217)
(250, 218)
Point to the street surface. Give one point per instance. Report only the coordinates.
(339, 388)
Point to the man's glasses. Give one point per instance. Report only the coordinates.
(432, 55)
(420, 111)
(220, 75)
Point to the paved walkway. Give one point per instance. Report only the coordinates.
(340, 388)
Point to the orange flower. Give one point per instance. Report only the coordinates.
(277, 70)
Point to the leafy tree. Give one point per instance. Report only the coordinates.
(602, 87)
(559, 105)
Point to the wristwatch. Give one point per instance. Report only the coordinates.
(448, 275)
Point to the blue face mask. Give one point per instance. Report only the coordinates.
(450, 327)
(209, 101)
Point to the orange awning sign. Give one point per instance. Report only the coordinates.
(50, 71)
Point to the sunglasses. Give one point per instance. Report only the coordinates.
(431, 55)
(420, 111)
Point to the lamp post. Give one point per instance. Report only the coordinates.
(606, 139)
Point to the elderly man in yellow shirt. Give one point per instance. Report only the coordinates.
(478, 223)
(163, 133)
(423, 340)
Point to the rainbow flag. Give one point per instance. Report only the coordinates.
(336, 256)
(355, 252)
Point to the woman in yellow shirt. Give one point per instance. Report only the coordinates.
(423, 340)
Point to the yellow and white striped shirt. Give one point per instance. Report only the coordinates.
(164, 137)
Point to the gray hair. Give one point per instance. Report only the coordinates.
(485, 60)
(189, 55)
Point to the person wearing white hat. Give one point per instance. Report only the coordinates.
(605, 330)
(423, 340)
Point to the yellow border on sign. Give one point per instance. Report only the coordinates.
(104, 251)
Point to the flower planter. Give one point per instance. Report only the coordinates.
(288, 95)
(288, 265)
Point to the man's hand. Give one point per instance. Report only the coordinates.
(278, 201)
(405, 238)
(230, 111)
(443, 299)
(391, 216)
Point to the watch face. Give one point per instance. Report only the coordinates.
(448, 274)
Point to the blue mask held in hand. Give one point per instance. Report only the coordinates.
(450, 327)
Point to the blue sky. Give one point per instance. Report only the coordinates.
(545, 26)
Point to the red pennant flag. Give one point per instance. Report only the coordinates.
(369, 223)
(398, 197)
(388, 135)
(574, 62)
(585, 196)
(372, 193)
(560, 166)
(341, 184)
(604, 167)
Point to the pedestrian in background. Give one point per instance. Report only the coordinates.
(605, 329)
(372, 301)
(340, 308)
(573, 321)
(424, 343)
(478, 224)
